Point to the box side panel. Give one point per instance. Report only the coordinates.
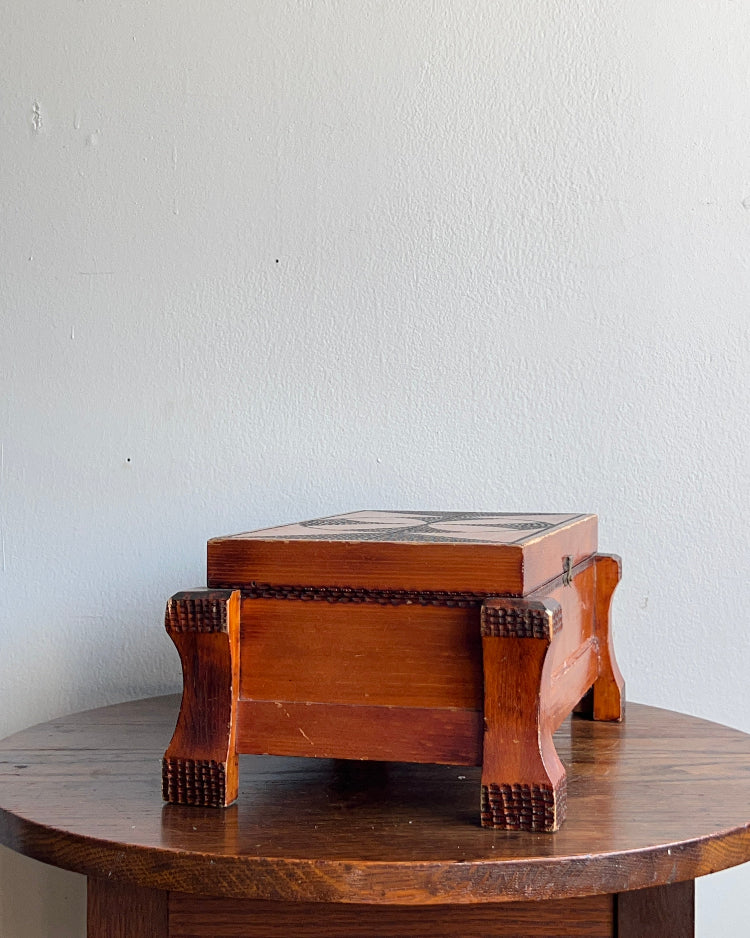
(574, 663)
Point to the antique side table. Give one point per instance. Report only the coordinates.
(327, 848)
(463, 638)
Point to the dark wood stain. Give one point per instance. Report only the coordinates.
(122, 910)
(190, 917)
(659, 799)
(659, 912)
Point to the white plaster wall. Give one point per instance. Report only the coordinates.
(264, 259)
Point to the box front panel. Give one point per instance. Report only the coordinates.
(477, 568)
(365, 653)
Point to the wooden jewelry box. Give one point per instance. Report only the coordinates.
(453, 637)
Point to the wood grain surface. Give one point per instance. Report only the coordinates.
(404, 656)
(659, 912)
(194, 917)
(122, 910)
(659, 799)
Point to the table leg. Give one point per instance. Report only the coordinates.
(658, 912)
(119, 910)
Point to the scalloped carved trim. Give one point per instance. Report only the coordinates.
(194, 781)
(345, 594)
(534, 808)
(198, 611)
(521, 619)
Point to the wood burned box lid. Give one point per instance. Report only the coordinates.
(453, 551)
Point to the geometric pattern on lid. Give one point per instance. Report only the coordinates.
(420, 527)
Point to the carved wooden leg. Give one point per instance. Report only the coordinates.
(200, 765)
(523, 780)
(608, 691)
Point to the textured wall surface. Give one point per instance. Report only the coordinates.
(265, 260)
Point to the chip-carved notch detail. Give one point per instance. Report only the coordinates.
(356, 595)
(518, 807)
(199, 782)
(190, 611)
(520, 618)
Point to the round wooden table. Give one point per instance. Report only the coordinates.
(323, 848)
